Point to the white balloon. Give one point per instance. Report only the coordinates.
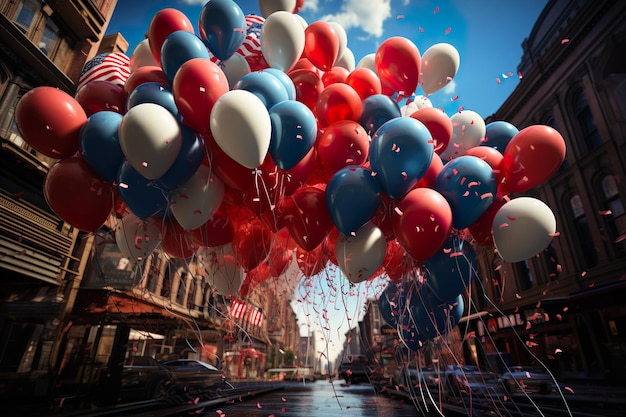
(150, 138)
(522, 227)
(234, 68)
(420, 102)
(142, 56)
(197, 200)
(468, 130)
(241, 126)
(361, 255)
(346, 60)
(303, 22)
(224, 272)
(440, 64)
(342, 36)
(137, 238)
(270, 6)
(368, 61)
(282, 40)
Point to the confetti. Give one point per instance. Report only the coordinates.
(564, 41)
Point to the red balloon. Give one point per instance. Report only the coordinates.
(311, 262)
(307, 218)
(304, 64)
(430, 177)
(330, 246)
(98, 96)
(438, 124)
(197, 85)
(252, 244)
(365, 82)
(382, 218)
(176, 241)
(321, 45)
(492, 157)
(259, 274)
(532, 156)
(308, 86)
(232, 173)
(77, 195)
(397, 263)
(281, 253)
(164, 23)
(335, 75)
(343, 143)
(299, 5)
(146, 74)
(217, 231)
(481, 228)
(422, 222)
(49, 119)
(338, 102)
(398, 64)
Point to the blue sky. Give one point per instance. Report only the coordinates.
(487, 33)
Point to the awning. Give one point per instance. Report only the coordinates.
(142, 335)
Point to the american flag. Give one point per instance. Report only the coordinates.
(251, 44)
(112, 67)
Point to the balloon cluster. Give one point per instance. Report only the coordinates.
(261, 134)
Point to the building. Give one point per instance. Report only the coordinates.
(564, 308)
(41, 257)
(74, 307)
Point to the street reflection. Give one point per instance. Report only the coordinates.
(321, 399)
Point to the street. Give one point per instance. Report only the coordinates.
(319, 399)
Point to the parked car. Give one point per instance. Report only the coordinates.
(194, 372)
(355, 369)
(529, 380)
(144, 378)
(301, 374)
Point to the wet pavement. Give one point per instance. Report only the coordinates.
(319, 399)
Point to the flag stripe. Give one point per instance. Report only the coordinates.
(113, 67)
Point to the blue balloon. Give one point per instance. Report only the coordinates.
(99, 144)
(139, 193)
(178, 48)
(377, 110)
(269, 89)
(286, 81)
(427, 317)
(153, 92)
(391, 302)
(186, 163)
(451, 270)
(469, 186)
(498, 134)
(294, 130)
(400, 154)
(352, 197)
(223, 26)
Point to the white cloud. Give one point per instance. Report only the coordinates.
(450, 88)
(310, 5)
(367, 15)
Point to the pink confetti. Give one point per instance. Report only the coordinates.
(421, 29)
(605, 212)
(519, 297)
(455, 98)
(400, 16)
(503, 225)
(258, 405)
(240, 30)
(448, 30)
(498, 80)
(564, 41)
(436, 10)
(397, 210)
(123, 185)
(144, 164)
(569, 389)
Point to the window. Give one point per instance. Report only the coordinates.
(584, 119)
(614, 219)
(27, 10)
(582, 231)
(49, 38)
(524, 277)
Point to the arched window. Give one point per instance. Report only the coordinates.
(584, 119)
(582, 231)
(614, 218)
